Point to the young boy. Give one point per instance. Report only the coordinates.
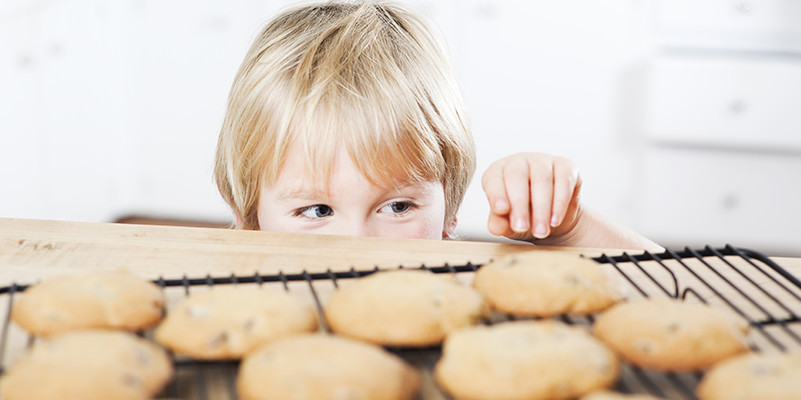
(344, 118)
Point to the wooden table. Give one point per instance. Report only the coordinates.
(31, 250)
(36, 249)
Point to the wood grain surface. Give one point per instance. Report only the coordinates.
(35, 249)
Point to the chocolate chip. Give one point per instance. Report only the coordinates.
(762, 369)
(644, 346)
(572, 280)
(604, 367)
(142, 357)
(510, 262)
(673, 327)
(248, 324)
(218, 340)
(131, 380)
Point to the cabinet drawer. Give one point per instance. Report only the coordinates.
(761, 25)
(700, 197)
(726, 102)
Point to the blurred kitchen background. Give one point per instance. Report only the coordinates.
(683, 115)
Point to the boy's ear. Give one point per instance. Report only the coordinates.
(450, 226)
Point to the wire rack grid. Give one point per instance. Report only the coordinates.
(743, 281)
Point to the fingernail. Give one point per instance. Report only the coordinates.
(520, 225)
(554, 221)
(540, 231)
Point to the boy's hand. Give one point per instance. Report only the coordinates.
(532, 196)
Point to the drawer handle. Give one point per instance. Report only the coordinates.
(738, 107)
(730, 201)
(745, 6)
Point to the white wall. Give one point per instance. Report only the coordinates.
(111, 108)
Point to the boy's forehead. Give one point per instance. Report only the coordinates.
(301, 172)
(311, 192)
(298, 183)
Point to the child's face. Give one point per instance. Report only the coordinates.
(352, 205)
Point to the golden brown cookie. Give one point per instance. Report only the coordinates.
(753, 377)
(609, 395)
(524, 360)
(404, 308)
(320, 367)
(673, 335)
(88, 365)
(105, 300)
(227, 322)
(546, 283)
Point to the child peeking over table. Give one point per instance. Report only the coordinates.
(345, 119)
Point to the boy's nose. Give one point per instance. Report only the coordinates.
(354, 228)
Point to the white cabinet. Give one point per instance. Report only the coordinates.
(721, 138)
(746, 103)
(113, 107)
(60, 121)
(756, 25)
(692, 197)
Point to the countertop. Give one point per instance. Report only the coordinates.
(35, 249)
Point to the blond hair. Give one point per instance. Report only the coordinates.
(368, 77)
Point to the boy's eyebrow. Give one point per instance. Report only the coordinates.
(300, 192)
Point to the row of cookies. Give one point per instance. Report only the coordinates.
(665, 334)
(512, 360)
(657, 334)
(404, 308)
(86, 349)
(282, 356)
(660, 334)
(418, 309)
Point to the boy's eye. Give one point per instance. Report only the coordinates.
(397, 207)
(315, 211)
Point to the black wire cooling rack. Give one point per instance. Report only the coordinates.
(744, 281)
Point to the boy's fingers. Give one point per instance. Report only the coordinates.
(498, 225)
(516, 180)
(565, 180)
(541, 197)
(492, 183)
